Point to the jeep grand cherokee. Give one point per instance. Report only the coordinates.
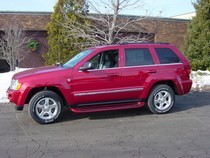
(109, 77)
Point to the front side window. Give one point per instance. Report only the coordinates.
(167, 56)
(105, 59)
(76, 59)
(137, 57)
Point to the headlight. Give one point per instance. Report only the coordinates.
(15, 85)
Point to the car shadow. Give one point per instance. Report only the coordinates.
(191, 100)
(194, 99)
(68, 115)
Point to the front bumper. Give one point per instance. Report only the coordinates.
(16, 97)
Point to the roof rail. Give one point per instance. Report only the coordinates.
(125, 43)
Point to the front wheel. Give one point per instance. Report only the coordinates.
(161, 99)
(45, 107)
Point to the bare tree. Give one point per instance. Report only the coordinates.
(12, 44)
(110, 26)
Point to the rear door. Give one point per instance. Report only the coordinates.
(139, 66)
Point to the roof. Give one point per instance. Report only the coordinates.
(28, 20)
(133, 44)
(39, 20)
(185, 16)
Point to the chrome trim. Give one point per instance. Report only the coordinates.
(111, 91)
(133, 66)
(140, 66)
(170, 64)
(133, 89)
(102, 69)
(151, 65)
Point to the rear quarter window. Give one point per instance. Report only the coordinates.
(137, 57)
(167, 56)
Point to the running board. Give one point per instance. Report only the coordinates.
(85, 109)
(109, 103)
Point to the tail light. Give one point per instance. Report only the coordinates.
(187, 69)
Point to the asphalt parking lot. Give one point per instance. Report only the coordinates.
(182, 133)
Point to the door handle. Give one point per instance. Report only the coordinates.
(112, 74)
(152, 71)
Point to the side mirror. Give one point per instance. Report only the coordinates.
(58, 64)
(86, 66)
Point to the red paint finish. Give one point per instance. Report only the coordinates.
(135, 70)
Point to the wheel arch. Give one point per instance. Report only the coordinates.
(170, 83)
(49, 88)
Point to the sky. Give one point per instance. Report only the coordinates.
(167, 8)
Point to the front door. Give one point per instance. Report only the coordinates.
(99, 85)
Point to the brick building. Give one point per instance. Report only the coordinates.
(34, 24)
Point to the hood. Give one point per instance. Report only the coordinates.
(38, 71)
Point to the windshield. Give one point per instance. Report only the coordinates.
(76, 59)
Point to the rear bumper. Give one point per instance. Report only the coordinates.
(186, 86)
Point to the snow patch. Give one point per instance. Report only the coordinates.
(201, 80)
(5, 80)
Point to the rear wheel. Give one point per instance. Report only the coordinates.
(45, 107)
(161, 99)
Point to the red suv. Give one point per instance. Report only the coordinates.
(109, 77)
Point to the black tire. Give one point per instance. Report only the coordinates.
(161, 99)
(45, 107)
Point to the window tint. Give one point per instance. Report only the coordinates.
(166, 56)
(138, 56)
(95, 61)
(104, 60)
(76, 59)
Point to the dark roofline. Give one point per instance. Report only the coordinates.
(24, 13)
(121, 15)
(147, 17)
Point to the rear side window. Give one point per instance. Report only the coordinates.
(138, 56)
(167, 56)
